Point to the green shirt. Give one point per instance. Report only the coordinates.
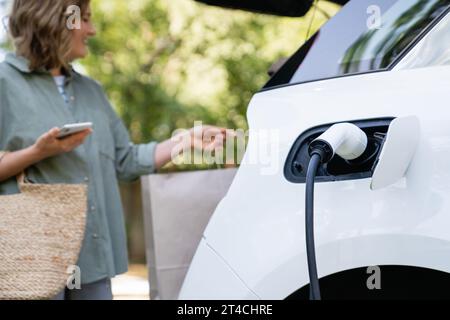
(30, 105)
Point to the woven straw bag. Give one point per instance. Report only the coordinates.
(41, 232)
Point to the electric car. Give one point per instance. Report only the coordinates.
(382, 220)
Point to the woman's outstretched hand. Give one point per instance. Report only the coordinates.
(202, 138)
(206, 138)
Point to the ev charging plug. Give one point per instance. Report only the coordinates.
(349, 142)
(344, 139)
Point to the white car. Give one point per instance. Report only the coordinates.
(382, 221)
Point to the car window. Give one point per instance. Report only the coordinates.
(365, 36)
(432, 50)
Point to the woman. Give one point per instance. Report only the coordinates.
(39, 90)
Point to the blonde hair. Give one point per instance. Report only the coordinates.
(39, 31)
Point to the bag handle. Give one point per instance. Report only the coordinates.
(21, 176)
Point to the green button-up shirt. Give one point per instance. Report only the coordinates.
(30, 105)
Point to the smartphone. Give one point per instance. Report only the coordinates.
(72, 128)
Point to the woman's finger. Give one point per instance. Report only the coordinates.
(213, 133)
(215, 141)
(73, 141)
(227, 133)
(82, 134)
(53, 133)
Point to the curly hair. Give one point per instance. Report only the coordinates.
(39, 31)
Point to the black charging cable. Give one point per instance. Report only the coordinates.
(320, 152)
(350, 143)
(314, 289)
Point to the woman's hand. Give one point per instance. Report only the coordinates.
(49, 145)
(206, 138)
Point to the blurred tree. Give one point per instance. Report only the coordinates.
(165, 64)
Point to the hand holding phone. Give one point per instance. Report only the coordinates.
(70, 137)
(72, 128)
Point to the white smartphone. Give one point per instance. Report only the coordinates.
(72, 128)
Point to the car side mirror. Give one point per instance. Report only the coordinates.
(398, 150)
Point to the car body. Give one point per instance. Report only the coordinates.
(254, 245)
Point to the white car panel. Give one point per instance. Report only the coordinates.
(258, 228)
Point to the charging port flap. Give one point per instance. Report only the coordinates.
(397, 152)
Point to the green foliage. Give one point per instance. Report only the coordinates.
(166, 64)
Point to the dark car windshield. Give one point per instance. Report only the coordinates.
(365, 36)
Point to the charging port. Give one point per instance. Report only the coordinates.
(337, 169)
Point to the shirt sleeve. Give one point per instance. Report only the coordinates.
(131, 160)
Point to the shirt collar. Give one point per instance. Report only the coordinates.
(18, 62)
(22, 64)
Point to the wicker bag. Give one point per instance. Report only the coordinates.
(41, 231)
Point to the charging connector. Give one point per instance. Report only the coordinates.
(349, 142)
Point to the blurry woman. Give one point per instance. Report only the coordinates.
(39, 93)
